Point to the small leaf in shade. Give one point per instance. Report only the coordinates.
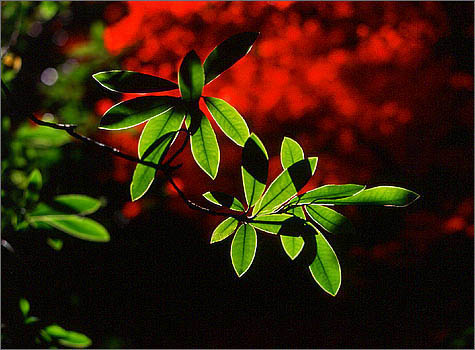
(325, 268)
(225, 200)
(76, 226)
(204, 146)
(31, 319)
(75, 340)
(132, 82)
(224, 230)
(56, 244)
(227, 53)
(228, 119)
(382, 195)
(77, 203)
(243, 249)
(191, 77)
(293, 244)
(329, 219)
(286, 185)
(290, 152)
(35, 181)
(326, 192)
(24, 306)
(254, 169)
(133, 112)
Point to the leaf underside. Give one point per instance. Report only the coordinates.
(243, 249)
(132, 82)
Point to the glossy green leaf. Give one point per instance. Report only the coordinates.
(24, 306)
(204, 145)
(78, 203)
(35, 181)
(76, 226)
(382, 195)
(270, 223)
(133, 112)
(293, 244)
(224, 230)
(290, 152)
(228, 119)
(75, 340)
(254, 169)
(132, 82)
(191, 77)
(154, 142)
(325, 268)
(286, 185)
(329, 219)
(56, 244)
(227, 53)
(243, 249)
(327, 191)
(225, 200)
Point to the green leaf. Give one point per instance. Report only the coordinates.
(56, 331)
(293, 245)
(283, 224)
(254, 169)
(78, 203)
(204, 145)
(24, 306)
(75, 340)
(271, 223)
(228, 119)
(41, 136)
(132, 82)
(243, 249)
(327, 191)
(224, 230)
(31, 319)
(76, 226)
(133, 112)
(329, 219)
(157, 137)
(191, 77)
(382, 195)
(290, 152)
(35, 181)
(325, 269)
(225, 200)
(286, 185)
(56, 244)
(227, 53)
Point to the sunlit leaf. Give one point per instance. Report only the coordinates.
(325, 269)
(133, 112)
(78, 203)
(24, 306)
(225, 200)
(271, 223)
(228, 119)
(224, 230)
(327, 191)
(204, 145)
(76, 226)
(75, 340)
(286, 185)
(254, 169)
(227, 53)
(41, 136)
(191, 77)
(132, 82)
(293, 244)
(329, 219)
(243, 249)
(290, 152)
(55, 331)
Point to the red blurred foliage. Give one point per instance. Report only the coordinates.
(131, 209)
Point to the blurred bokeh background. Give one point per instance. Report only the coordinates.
(382, 93)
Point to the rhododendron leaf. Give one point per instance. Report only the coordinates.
(271, 223)
(228, 119)
(132, 82)
(224, 200)
(329, 219)
(204, 145)
(227, 53)
(191, 77)
(290, 152)
(133, 112)
(327, 191)
(78, 203)
(286, 185)
(293, 244)
(35, 181)
(224, 230)
(243, 249)
(24, 306)
(254, 169)
(325, 268)
(75, 340)
(283, 224)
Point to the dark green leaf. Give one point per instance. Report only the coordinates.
(191, 77)
(56, 244)
(132, 82)
(329, 219)
(75, 340)
(133, 112)
(35, 181)
(224, 230)
(78, 203)
(243, 249)
(227, 53)
(290, 152)
(293, 244)
(327, 191)
(31, 319)
(255, 163)
(24, 306)
(228, 119)
(224, 200)
(286, 185)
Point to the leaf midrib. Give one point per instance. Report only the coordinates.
(225, 118)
